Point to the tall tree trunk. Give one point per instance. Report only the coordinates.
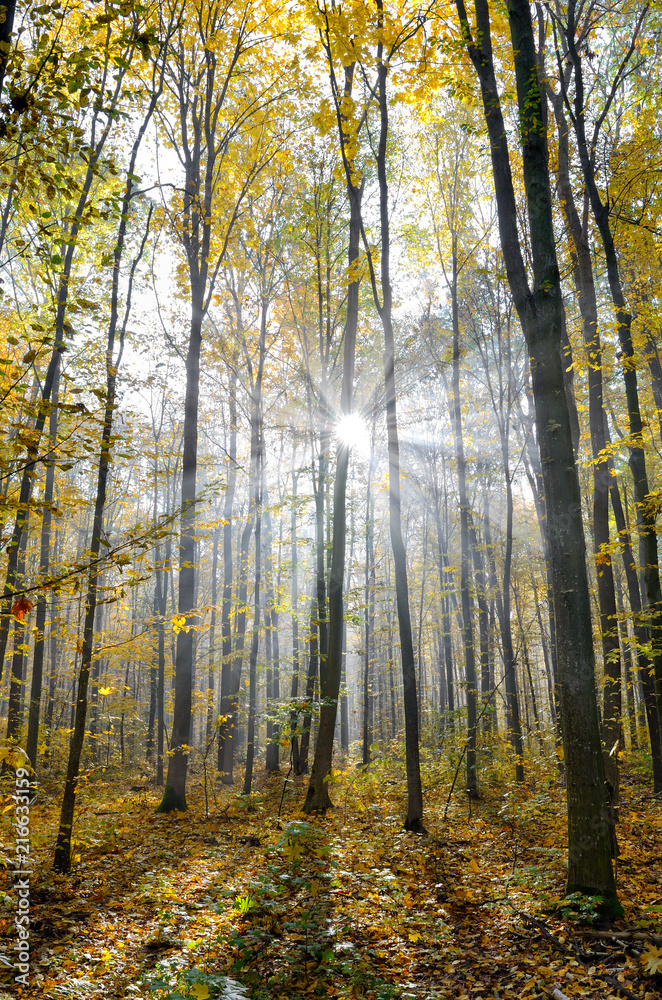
(311, 678)
(503, 612)
(160, 604)
(541, 316)
(471, 681)
(583, 276)
(486, 695)
(44, 564)
(16, 682)
(317, 795)
(62, 857)
(369, 588)
(174, 795)
(629, 662)
(642, 635)
(203, 147)
(444, 581)
(549, 673)
(255, 640)
(344, 699)
(234, 681)
(211, 677)
(225, 708)
(294, 689)
(271, 631)
(255, 492)
(646, 512)
(414, 818)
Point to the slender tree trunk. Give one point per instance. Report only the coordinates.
(642, 635)
(512, 701)
(16, 681)
(153, 667)
(444, 581)
(62, 857)
(414, 818)
(255, 640)
(271, 631)
(311, 678)
(483, 628)
(631, 666)
(211, 677)
(317, 796)
(226, 708)
(471, 682)
(174, 795)
(344, 700)
(646, 512)
(160, 599)
(294, 690)
(549, 673)
(234, 682)
(255, 490)
(44, 565)
(525, 653)
(583, 275)
(369, 620)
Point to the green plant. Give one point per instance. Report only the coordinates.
(193, 984)
(580, 909)
(243, 904)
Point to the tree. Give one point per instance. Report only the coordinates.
(569, 29)
(222, 142)
(317, 796)
(540, 313)
(62, 858)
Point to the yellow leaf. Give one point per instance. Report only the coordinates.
(200, 991)
(652, 959)
(474, 866)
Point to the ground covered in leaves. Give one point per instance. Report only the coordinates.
(343, 906)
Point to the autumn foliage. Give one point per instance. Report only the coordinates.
(330, 494)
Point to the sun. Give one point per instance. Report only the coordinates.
(352, 431)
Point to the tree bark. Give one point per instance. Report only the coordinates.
(225, 708)
(540, 312)
(44, 563)
(583, 276)
(646, 508)
(414, 817)
(317, 796)
(255, 640)
(62, 857)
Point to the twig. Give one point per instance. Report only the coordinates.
(287, 778)
(538, 924)
(625, 935)
(555, 990)
(466, 745)
(615, 985)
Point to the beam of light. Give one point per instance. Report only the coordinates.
(352, 430)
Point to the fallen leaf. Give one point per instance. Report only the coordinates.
(652, 959)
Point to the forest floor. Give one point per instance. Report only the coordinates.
(343, 906)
